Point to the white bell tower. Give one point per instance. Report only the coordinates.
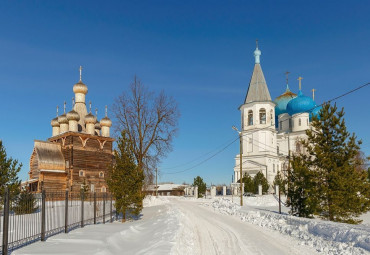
(258, 128)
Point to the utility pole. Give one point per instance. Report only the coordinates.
(240, 163)
(241, 168)
(156, 182)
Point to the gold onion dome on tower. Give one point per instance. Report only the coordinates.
(106, 122)
(54, 122)
(97, 125)
(73, 115)
(89, 118)
(80, 87)
(62, 119)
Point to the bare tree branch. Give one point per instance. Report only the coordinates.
(150, 121)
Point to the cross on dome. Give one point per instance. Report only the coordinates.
(313, 94)
(80, 73)
(300, 82)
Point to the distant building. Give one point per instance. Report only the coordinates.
(78, 153)
(166, 189)
(270, 129)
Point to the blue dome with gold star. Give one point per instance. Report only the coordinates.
(300, 104)
(283, 100)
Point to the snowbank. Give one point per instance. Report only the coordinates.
(326, 237)
(153, 201)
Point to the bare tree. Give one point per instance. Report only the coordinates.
(150, 121)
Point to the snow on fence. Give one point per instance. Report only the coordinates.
(28, 218)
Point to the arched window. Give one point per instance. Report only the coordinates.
(81, 173)
(103, 189)
(262, 116)
(101, 175)
(250, 118)
(299, 122)
(290, 123)
(277, 167)
(278, 150)
(273, 168)
(281, 125)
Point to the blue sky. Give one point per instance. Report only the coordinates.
(200, 52)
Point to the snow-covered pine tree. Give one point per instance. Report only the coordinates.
(258, 179)
(125, 180)
(342, 187)
(9, 168)
(302, 189)
(248, 183)
(202, 186)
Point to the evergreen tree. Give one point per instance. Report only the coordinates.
(301, 188)
(25, 203)
(248, 183)
(125, 180)
(281, 182)
(9, 168)
(84, 189)
(258, 179)
(202, 186)
(342, 188)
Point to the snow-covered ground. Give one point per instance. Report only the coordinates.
(177, 225)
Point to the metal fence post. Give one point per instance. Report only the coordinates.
(94, 207)
(6, 222)
(111, 208)
(43, 216)
(82, 208)
(104, 208)
(66, 214)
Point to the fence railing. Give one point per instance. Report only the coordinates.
(28, 217)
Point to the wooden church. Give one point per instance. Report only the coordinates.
(77, 155)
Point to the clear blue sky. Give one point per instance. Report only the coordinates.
(200, 52)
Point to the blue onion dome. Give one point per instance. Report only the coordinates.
(300, 104)
(315, 112)
(283, 100)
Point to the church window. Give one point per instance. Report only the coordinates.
(299, 122)
(277, 167)
(81, 173)
(250, 118)
(273, 168)
(262, 116)
(103, 189)
(290, 123)
(278, 150)
(101, 174)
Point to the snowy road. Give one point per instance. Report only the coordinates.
(179, 227)
(213, 233)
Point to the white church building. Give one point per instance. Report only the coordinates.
(271, 128)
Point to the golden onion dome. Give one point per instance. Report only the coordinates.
(54, 122)
(90, 119)
(73, 115)
(80, 87)
(97, 125)
(62, 119)
(106, 122)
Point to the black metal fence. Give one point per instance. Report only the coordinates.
(28, 217)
